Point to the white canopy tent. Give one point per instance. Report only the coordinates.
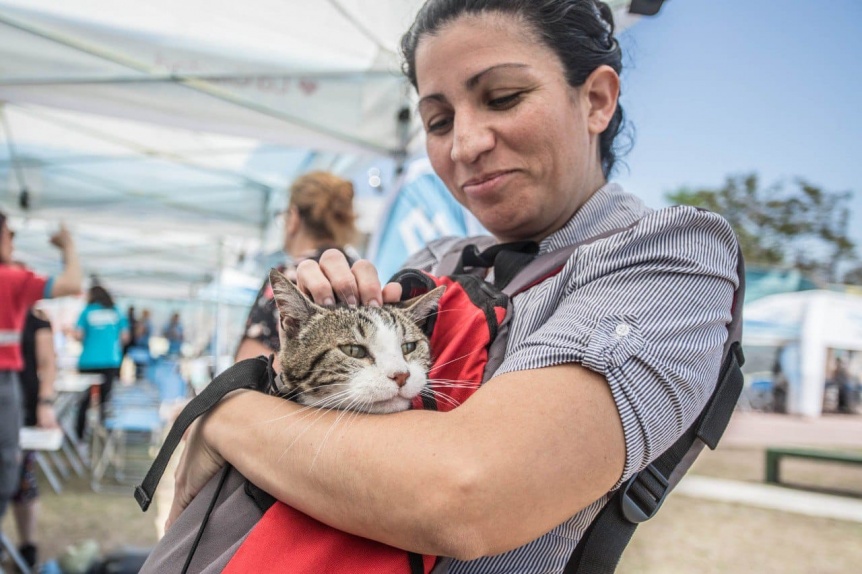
(806, 324)
(164, 133)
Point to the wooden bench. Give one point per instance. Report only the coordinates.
(775, 454)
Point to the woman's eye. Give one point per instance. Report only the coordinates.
(505, 102)
(437, 126)
(355, 351)
(408, 348)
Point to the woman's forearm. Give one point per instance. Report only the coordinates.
(68, 282)
(46, 362)
(489, 476)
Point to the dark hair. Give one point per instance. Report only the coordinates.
(100, 295)
(2, 220)
(580, 32)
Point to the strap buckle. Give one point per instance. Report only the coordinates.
(644, 494)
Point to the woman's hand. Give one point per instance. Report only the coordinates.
(46, 417)
(332, 279)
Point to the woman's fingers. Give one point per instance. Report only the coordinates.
(334, 265)
(311, 280)
(392, 292)
(332, 279)
(368, 282)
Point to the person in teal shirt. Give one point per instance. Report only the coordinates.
(103, 331)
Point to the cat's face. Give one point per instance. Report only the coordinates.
(358, 358)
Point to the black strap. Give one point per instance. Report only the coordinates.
(508, 259)
(254, 373)
(417, 565)
(638, 500)
(224, 474)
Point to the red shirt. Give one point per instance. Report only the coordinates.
(19, 289)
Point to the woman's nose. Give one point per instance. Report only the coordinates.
(471, 138)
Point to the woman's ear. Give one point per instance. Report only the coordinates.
(602, 89)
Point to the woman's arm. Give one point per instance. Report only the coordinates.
(525, 453)
(46, 368)
(520, 457)
(68, 282)
(250, 348)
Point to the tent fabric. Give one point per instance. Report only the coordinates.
(164, 133)
(808, 323)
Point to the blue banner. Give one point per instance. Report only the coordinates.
(420, 210)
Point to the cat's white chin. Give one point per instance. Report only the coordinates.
(393, 405)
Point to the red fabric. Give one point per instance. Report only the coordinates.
(460, 340)
(290, 542)
(19, 289)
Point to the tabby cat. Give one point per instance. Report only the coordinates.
(358, 358)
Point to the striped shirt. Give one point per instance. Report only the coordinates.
(647, 308)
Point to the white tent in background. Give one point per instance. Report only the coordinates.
(807, 324)
(129, 119)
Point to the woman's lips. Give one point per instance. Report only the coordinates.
(486, 184)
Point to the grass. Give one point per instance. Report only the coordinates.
(688, 535)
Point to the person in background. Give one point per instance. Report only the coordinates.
(319, 216)
(607, 362)
(37, 386)
(173, 332)
(102, 330)
(20, 288)
(132, 320)
(140, 343)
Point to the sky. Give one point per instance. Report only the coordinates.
(721, 87)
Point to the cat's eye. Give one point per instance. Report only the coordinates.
(355, 351)
(408, 347)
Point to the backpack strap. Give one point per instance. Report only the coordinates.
(254, 373)
(639, 499)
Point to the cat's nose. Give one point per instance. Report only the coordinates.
(400, 378)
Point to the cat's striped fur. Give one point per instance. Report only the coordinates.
(361, 358)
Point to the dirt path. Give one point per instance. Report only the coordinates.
(748, 429)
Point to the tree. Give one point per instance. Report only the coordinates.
(793, 226)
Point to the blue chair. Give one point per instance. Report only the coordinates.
(134, 424)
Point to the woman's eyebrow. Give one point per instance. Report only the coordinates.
(471, 82)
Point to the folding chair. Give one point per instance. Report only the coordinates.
(126, 440)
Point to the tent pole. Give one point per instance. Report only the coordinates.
(219, 322)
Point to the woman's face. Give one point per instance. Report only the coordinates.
(505, 132)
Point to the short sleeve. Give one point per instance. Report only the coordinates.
(648, 309)
(31, 287)
(82, 320)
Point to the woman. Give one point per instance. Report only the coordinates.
(607, 362)
(37, 386)
(173, 332)
(19, 289)
(319, 216)
(103, 330)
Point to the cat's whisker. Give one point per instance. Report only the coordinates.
(441, 397)
(453, 386)
(346, 345)
(456, 359)
(343, 415)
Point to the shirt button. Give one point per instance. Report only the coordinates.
(622, 330)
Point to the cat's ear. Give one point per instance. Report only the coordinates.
(294, 308)
(421, 307)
